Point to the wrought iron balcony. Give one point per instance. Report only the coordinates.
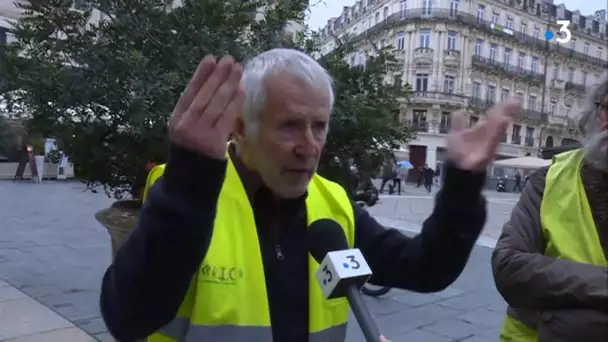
(516, 139)
(420, 95)
(463, 18)
(534, 115)
(419, 126)
(575, 87)
(509, 70)
(480, 103)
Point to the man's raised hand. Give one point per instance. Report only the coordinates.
(205, 114)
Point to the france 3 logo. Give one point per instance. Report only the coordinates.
(564, 35)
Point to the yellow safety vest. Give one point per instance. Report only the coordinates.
(227, 299)
(568, 228)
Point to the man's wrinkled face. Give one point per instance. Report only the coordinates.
(291, 134)
(596, 148)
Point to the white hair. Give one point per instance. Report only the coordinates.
(292, 61)
(591, 125)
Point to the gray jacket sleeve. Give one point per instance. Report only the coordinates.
(528, 279)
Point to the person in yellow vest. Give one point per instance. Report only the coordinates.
(220, 254)
(550, 260)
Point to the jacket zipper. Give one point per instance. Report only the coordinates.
(280, 255)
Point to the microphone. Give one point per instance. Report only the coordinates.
(342, 271)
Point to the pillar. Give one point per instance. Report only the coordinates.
(431, 156)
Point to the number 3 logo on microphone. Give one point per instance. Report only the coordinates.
(352, 262)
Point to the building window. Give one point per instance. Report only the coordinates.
(491, 95)
(599, 52)
(493, 49)
(570, 74)
(454, 7)
(568, 110)
(535, 65)
(536, 33)
(473, 120)
(504, 95)
(516, 134)
(400, 40)
(377, 17)
(509, 23)
(446, 120)
(573, 44)
(523, 29)
(507, 56)
(480, 13)
(403, 8)
(532, 102)
(476, 90)
(425, 38)
(529, 136)
(478, 47)
(422, 82)
(419, 119)
(452, 40)
(426, 7)
(495, 17)
(555, 70)
(449, 83)
(584, 78)
(553, 108)
(586, 49)
(521, 61)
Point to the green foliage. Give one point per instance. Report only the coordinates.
(53, 157)
(365, 125)
(106, 89)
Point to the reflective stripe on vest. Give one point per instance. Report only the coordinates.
(227, 299)
(230, 333)
(567, 225)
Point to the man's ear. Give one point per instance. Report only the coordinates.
(239, 128)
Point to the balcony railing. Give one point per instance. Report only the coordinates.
(419, 126)
(529, 141)
(444, 128)
(438, 95)
(480, 103)
(516, 140)
(534, 115)
(509, 70)
(471, 20)
(575, 87)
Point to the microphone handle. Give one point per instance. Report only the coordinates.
(364, 318)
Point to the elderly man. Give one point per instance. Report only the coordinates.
(220, 252)
(550, 261)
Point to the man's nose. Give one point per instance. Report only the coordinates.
(308, 144)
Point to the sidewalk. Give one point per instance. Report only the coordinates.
(23, 319)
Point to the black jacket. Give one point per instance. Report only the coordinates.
(144, 287)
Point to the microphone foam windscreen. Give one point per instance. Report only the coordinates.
(325, 236)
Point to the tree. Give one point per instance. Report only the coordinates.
(106, 88)
(366, 126)
(8, 139)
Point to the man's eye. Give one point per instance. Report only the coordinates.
(320, 125)
(290, 124)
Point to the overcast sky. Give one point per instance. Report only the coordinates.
(326, 9)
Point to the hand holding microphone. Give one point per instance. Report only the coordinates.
(342, 271)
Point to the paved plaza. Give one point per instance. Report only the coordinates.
(53, 254)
